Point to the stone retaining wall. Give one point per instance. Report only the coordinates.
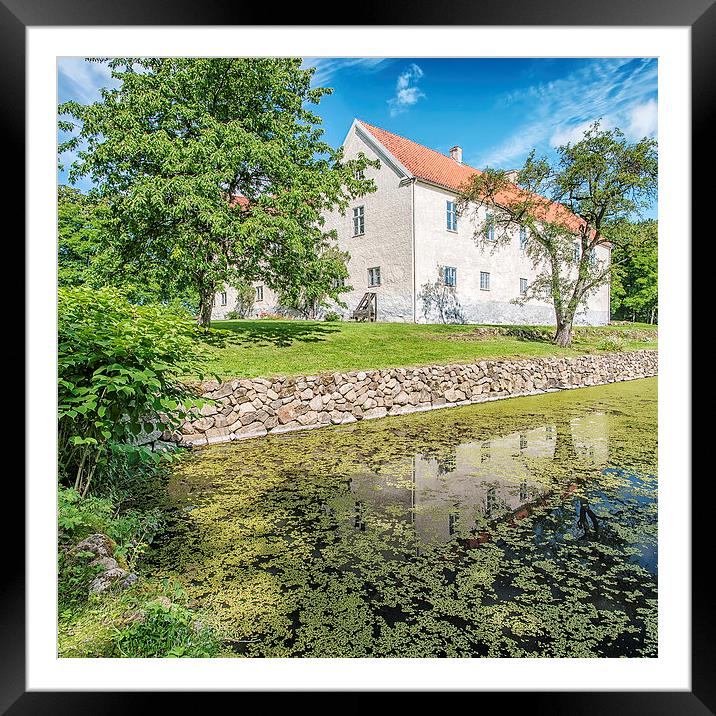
(252, 407)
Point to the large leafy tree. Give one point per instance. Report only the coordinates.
(213, 169)
(634, 287)
(87, 257)
(566, 209)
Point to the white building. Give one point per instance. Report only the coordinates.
(406, 233)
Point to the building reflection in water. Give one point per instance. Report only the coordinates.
(463, 489)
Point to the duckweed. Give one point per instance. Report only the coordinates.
(524, 527)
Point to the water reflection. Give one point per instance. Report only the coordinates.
(461, 490)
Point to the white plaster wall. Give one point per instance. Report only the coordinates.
(268, 305)
(387, 241)
(506, 264)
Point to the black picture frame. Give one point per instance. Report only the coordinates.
(699, 15)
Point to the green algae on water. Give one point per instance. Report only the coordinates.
(523, 527)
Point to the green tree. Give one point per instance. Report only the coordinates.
(79, 227)
(634, 283)
(326, 273)
(86, 256)
(565, 210)
(213, 169)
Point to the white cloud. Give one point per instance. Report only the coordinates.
(643, 121)
(82, 79)
(620, 92)
(407, 92)
(329, 67)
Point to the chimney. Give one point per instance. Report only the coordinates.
(456, 154)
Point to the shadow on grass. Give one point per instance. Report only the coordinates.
(279, 334)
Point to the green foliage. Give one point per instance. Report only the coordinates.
(74, 576)
(245, 298)
(611, 343)
(173, 146)
(331, 316)
(635, 271)
(325, 280)
(166, 630)
(118, 379)
(80, 254)
(595, 183)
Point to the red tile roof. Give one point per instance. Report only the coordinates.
(436, 168)
(422, 162)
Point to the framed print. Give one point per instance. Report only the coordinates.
(513, 547)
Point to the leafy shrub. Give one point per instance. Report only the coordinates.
(166, 630)
(132, 530)
(119, 366)
(332, 316)
(611, 343)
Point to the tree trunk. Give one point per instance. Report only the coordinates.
(563, 336)
(206, 303)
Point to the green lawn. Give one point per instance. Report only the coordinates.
(285, 347)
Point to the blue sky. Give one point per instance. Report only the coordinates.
(496, 109)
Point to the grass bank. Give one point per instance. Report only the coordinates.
(288, 347)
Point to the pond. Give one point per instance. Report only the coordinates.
(521, 527)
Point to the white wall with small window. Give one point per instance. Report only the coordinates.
(492, 273)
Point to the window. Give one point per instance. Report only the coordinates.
(523, 441)
(450, 275)
(339, 282)
(592, 257)
(223, 298)
(359, 221)
(524, 494)
(451, 216)
(374, 276)
(523, 238)
(490, 501)
(523, 287)
(490, 226)
(485, 280)
(577, 251)
(452, 523)
(259, 293)
(358, 175)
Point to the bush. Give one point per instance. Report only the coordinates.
(611, 343)
(118, 378)
(166, 630)
(332, 316)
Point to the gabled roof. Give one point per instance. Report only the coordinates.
(422, 162)
(444, 171)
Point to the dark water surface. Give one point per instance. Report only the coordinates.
(523, 527)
